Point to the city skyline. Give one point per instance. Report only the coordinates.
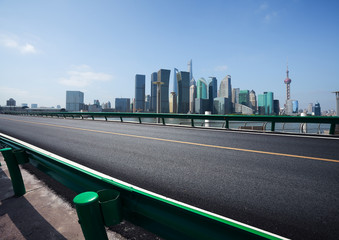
(49, 48)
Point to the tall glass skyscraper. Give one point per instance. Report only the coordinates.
(244, 97)
(212, 90)
(175, 81)
(225, 90)
(139, 93)
(122, 104)
(153, 101)
(74, 101)
(266, 103)
(183, 92)
(164, 76)
(202, 88)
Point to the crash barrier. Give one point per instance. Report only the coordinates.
(108, 201)
(226, 119)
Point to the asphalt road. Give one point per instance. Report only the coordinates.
(287, 185)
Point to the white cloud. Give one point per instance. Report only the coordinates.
(221, 68)
(14, 43)
(81, 76)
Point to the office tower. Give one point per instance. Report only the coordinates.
(266, 103)
(317, 109)
(190, 70)
(253, 100)
(202, 105)
(74, 101)
(175, 81)
(244, 97)
(212, 90)
(139, 93)
(221, 105)
(287, 81)
(173, 103)
(164, 76)
(193, 95)
(235, 97)
(337, 102)
(34, 105)
(310, 108)
(276, 107)
(11, 103)
(295, 107)
(96, 103)
(202, 88)
(122, 105)
(24, 105)
(183, 94)
(153, 101)
(225, 89)
(147, 102)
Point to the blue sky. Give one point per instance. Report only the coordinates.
(48, 47)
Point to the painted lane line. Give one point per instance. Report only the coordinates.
(180, 142)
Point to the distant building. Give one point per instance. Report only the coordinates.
(310, 108)
(193, 95)
(244, 97)
(173, 103)
(147, 103)
(235, 95)
(221, 105)
(295, 107)
(265, 103)
(122, 105)
(11, 102)
(34, 105)
(202, 88)
(58, 106)
(74, 101)
(153, 100)
(337, 102)
(276, 107)
(175, 81)
(202, 105)
(242, 109)
(225, 89)
(164, 76)
(24, 105)
(107, 105)
(212, 91)
(183, 92)
(94, 108)
(139, 93)
(317, 109)
(253, 100)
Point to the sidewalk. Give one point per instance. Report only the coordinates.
(39, 214)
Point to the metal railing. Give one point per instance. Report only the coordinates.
(163, 216)
(194, 118)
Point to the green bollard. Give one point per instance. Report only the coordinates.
(14, 172)
(89, 214)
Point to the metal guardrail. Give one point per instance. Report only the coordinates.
(333, 121)
(163, 216)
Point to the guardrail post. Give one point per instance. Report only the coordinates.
(139, 119)
(227, 124)
(92, 117)
(273, 126)
(121, 119)
(14, 172)
(192, 122)
(89, 214)
(106, 118)
(163, 121)
(332, 128)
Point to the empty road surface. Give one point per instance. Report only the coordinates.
(288, 185)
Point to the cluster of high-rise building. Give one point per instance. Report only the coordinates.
(191, 96)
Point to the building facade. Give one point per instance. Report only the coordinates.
(139, 93)
(202, 88)
(74, 101)
(164, 76)
(122, 105)
(244, 97)
(225, 89)
(153, 101)
(212, 91)
(183, 94)
(11, 103)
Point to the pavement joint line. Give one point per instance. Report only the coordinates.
(180, 142)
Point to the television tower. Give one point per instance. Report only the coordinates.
(287, 81)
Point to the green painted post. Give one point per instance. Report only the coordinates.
(140, 120)
(332, 128)
(121, 119)
(227, 124)
(273, 126)
(163, 121)
(192, 122)
(106, 118)
(14, 172)
(90, 218)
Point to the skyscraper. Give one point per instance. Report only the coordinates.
(173, 106)
(337, 103)
(235, 95)
(317, 109)
(164, 76)
(183, 92)
(202, 88)
(244, 96)
(139, 93)
(190, 70)
(253, 100)
(225, 89)
(212, 91)
(153, 101)
(122, 105)
(175, 81)
(266, 103)
(74, 101)
(193, 95)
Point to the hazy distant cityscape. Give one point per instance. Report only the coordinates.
(189, 96)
